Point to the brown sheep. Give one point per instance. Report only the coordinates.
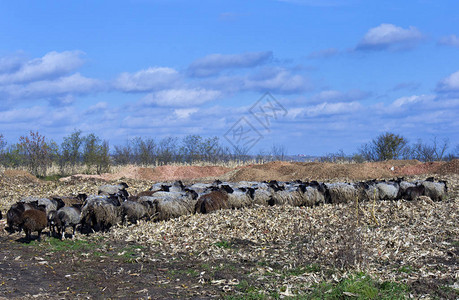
(212, 201)
(33, 220)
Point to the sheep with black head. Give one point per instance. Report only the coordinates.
(133, 211)
(99, 213)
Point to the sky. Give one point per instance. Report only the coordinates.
(314, 76)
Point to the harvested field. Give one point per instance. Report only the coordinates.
(254, 252)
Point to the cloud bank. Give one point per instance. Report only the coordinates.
(389, 37)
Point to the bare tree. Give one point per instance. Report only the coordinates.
(384, 147)
(144, 150)
(278, 152)
(440, 148)
(37, 152)
(123, 154)
(71, 154)
(167, 150)
(96, 154)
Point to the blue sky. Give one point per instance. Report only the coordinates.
(345, 71)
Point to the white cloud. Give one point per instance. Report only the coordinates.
(276, 80)
(409, 100)
(214, 63)
(97, 108)
(451, 40)
(21, 115)
(51, 65)
(147, 80)
(338, 96)
(332, 108)
(10, 64)
(324, 109)
(184, 113)
(180, 97)
(75, 84)
(65, 100)
(449, 84)
(389, 36)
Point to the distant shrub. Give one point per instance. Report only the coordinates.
(38, 154)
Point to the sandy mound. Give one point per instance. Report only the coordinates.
(451, 167)
(280, 170)
(162, 173)
(18, 176)
(326, 171)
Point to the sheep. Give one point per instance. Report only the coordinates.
(34, 220)
(170, 205)
(387, 190)
(200, 188)
(133, 211)
(212, 201)
(261, 186)
(239, 197)
(157, 187)
(135, 198)
(366, 191)
(262, 197)
(435, 190)
(14, 217)
(413, 192)
(341, 192)
(50, 204)
(312, 195)
(69, 216)
(99, 213)
(177, 186)
(403, 186)
(71, 200)
(53, 222)
(290, 196)
(118, 190)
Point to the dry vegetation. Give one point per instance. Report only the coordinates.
(259, 252)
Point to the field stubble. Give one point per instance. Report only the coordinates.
(263, 251)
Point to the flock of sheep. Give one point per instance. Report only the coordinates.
(113, 204)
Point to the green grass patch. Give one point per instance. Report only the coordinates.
(303, 269)
(130, 253)
(359, 286)
(223, 244)
(98, 254)
(405, 269)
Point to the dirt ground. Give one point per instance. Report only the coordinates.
(280, 170)
(270, 251)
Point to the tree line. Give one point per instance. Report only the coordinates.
(38, 154)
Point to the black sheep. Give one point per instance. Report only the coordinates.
(14, 217)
